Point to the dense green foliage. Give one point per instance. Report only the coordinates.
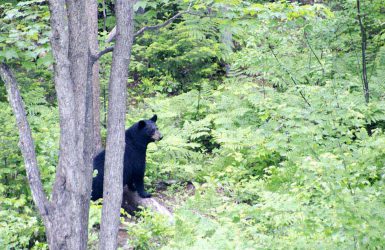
(262, 109)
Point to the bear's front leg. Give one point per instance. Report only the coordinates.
(139, 184)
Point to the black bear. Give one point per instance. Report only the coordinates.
(138, 136)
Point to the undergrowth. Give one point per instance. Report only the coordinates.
(270, 126)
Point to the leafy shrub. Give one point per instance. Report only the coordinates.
(150, 231)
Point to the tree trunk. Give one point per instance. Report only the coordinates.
(113, 172)
(68, 223)
(92, 13)
(365, 81)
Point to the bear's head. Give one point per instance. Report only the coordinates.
(148, 130)
(143, 132)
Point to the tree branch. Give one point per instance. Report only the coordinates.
(312, 50)
(112, 34)
(159, 26)
(102, 53)
(25, 141)
(291, 77)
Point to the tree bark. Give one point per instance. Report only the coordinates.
(363, 53)
(113, 175)
(92, 13)
(58, 231)
(68, 228)
(79, 184)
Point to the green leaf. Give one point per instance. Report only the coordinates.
(10, 54)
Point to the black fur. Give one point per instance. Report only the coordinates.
(138, 136)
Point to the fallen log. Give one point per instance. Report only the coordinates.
(132, 201)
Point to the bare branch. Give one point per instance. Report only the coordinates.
(312, 50)
(155, 27)
(101, 53)
(25, 141)
(112, 34)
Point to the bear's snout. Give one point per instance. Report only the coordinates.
(157, 136)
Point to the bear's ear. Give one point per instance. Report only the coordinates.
(142, 124)
(154, 118)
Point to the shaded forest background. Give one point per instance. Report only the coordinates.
(264, 108)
